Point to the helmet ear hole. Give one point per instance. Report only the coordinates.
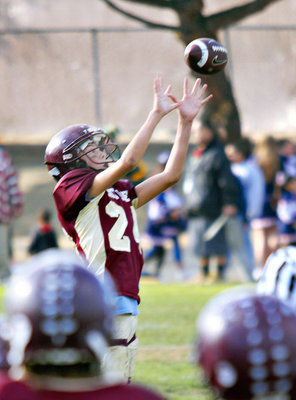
(55, 172)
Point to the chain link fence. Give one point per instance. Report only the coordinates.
(52, 78)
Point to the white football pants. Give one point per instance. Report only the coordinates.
(120, 361)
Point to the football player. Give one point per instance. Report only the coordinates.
(61, 323)
(246, 346)
(96, 207)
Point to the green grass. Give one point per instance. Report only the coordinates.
(166, 333)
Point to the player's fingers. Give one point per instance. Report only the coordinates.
(185, 86)
(155, 84)
(196, 86)
(206, 99)
(168, 89)
(158, 83)
(203, 89)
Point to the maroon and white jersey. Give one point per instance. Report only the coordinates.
(104, 229)
(117, 392)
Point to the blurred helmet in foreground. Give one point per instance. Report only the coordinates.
(61, 322)
(246, 346)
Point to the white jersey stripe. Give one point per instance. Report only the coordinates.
(88, 226)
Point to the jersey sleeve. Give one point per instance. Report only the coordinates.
(70, 192)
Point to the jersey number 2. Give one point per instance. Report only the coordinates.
(118, 241)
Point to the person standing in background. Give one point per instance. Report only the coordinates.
(286, 209)
(251, 178)
(11, 206)
(287, 154)
(210, 190)
(44, 236)
(265, 226)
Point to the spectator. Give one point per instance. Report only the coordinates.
(11, 206)
(166, 220)
(62, 326)
(251, 178)
(287, 156)
(265, 226)
(44, 236)
(210, 190)
(286, 209)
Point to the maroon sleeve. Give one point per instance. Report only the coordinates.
(17, 391)
(128, 392)
(70, 192)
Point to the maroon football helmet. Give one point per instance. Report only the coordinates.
(59, 315)
(65, 149)
(246, 346)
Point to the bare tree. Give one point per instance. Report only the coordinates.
(194, 24)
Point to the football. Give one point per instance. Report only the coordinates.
(206, 56)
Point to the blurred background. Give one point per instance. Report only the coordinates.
(78, 61)
(68, 62)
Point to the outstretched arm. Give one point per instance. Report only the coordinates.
(190, 105)
(135, 150)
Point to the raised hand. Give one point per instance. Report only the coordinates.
(192, 102)
(164, 101)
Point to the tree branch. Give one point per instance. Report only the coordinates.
(153, 3)
(226, 18)
(172, 4)
(148, 23)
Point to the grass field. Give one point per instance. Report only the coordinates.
(166, 333)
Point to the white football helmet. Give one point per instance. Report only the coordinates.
(279, 275)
